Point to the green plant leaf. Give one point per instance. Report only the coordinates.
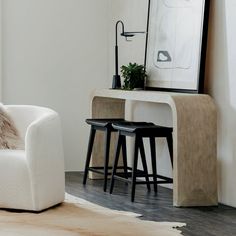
(134, 76)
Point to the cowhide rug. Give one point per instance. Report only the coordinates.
(79, 217)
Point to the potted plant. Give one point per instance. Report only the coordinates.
(134, 76)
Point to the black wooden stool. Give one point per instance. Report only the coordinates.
(106, 126)
(140, 130)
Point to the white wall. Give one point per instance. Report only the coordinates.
(133, 14)
(221, 84)
(55, 54)
(0, 50)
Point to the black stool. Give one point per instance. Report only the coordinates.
(140, 130)
(106, 126)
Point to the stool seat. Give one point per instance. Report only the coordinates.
(102, 122)
(145, 128)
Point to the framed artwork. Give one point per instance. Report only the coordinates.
(176, 45)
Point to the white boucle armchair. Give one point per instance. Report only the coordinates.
(33, 179)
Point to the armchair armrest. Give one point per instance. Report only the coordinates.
(44, 153)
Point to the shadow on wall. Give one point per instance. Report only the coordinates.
(221, 85)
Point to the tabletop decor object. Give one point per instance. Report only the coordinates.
(134, 76)
(116, 83)
(176, 45)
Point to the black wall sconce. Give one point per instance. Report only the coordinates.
(116, 82)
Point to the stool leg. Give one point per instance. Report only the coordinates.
(153, 156)
(106, 157)
(170, 146)
(116, 159)
(89, 152)
(134, 168)
(124, 154)
(143, 158)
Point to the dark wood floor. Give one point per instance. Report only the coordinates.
(201, 221)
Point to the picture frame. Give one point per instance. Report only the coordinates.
(176, 43)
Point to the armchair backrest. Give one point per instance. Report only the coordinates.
(24, 115)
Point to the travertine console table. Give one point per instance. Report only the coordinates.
(194, 139)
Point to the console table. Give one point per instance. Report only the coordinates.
(194, 139)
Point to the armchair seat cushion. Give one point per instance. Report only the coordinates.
(14, 180)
